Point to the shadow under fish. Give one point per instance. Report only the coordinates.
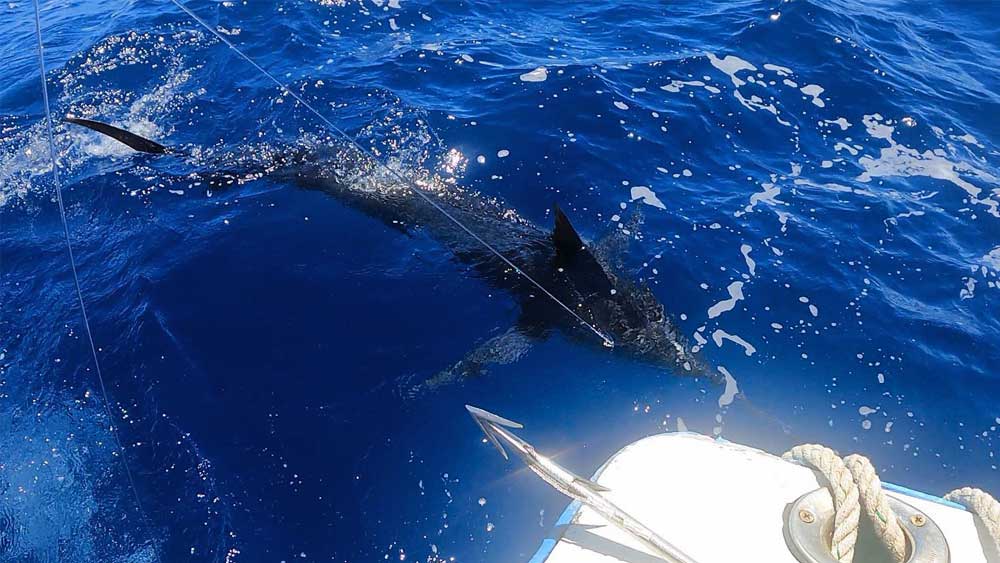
(560, 260)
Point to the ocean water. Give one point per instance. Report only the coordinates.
(812, 190)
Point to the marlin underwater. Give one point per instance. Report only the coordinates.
(261, 260)
(544, 270)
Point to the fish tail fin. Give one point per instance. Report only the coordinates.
(133, 141)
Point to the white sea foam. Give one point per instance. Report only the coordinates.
(735, 290)
(540, 74)
(844, 146)
(901, 160)
(840, 121)
(969, 291)
(731, 65)
(769, 195)
(719, 335)
(754, 103)
(968, 139)
(647, 196)
(678, 85)
(781, 70)
(831, 186)
(814, 90)
(992, 259)
(751, 265)
(731, 389)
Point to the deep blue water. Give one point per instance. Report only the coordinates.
(258, 341)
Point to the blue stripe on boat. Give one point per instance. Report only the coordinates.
(921, 495)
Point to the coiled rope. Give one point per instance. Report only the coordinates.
(844, 491)
(983, 505)
(856, 488)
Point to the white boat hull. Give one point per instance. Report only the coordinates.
(718, 502)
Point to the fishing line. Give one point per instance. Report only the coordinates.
(76, 277)
(340, 132)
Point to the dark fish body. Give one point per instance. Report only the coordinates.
(558, 259)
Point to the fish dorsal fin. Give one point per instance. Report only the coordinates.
(135, 142)
(564, 236)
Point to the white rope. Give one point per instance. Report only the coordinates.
(875, 505)
(856, 488)
(844, 491)
(984, 506)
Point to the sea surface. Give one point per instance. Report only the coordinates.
(811, 188)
